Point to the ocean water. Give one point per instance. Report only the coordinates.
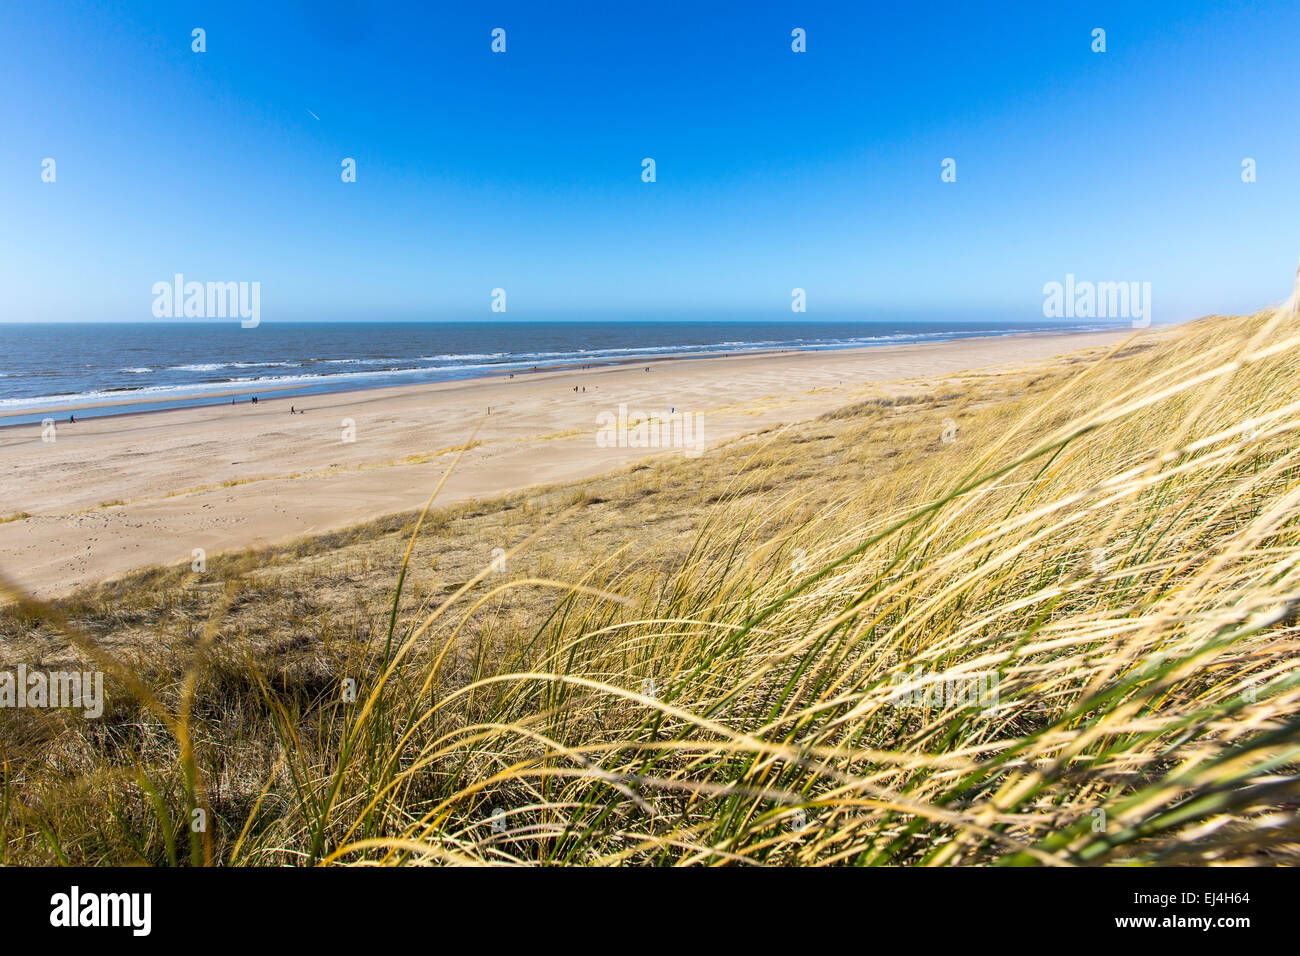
(133, 367)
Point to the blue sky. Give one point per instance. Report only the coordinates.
(523, 170)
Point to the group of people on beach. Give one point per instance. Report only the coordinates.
(292, 409)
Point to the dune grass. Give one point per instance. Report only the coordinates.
(1051, 624)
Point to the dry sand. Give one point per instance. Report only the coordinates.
(111, 495)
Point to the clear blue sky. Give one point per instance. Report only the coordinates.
(523, 170)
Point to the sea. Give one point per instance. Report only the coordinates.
(115, 368)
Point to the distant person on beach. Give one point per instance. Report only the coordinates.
(291, 411)
(72, 419)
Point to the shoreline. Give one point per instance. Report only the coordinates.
(116, 493)
(468, 379)
(209, 399)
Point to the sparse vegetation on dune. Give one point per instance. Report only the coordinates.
(763, 656)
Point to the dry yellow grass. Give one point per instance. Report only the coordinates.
(1043, 618)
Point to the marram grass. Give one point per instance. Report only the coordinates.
(1055, 629)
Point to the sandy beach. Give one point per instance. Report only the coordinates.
(111, 495)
